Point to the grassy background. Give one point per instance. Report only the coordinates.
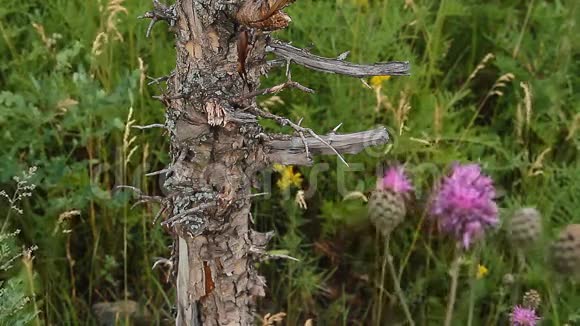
(72, 79)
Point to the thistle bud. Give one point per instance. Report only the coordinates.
(532, 299)
(387, 208)
(508, 280)
(525, 227)
(566, 251)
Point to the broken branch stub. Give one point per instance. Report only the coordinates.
(159, 12)
(291, 150)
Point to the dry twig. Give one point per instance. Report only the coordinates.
(301, 130)
(337, 66)
(141, 197)
(275, 89)
(153, 125)
(159, 79)
(159, 12)
(271, 320)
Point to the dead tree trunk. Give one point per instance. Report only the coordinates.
(217, 146)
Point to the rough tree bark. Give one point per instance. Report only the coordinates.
(217, 146)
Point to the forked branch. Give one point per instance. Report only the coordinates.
(301, 132)
(336, 65)
(142, 198)
(159, 12)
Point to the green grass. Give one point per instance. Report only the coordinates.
(64, 109)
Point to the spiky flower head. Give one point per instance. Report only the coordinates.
(566, 251)
(464, 204)
(387, 207)
(395, 180)
(525, 227)
(532, 299)
(523, 317)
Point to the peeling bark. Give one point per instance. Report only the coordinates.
(218, 147)
(214, 154)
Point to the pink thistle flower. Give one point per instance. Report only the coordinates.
(464, 204)
(523, 317)
(395, 180)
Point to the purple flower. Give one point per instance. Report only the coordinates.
(395, 180)
(523, 317)
(464, 203)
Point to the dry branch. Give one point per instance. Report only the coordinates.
(142, 198)
(275, 89)
(300, 130)
(153, 125)
(291, 151)
(161, 79)
(337, 66)
(159, 12)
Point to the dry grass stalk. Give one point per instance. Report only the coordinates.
(488, 57)
(400, 110)
(271, 320)
(109, 30)
(527, 102)
(496, 89)
(64, 217)
(114, 7)
(537, 166)
(520, 123)
(523, 119)
(48, 41)
(98, 43)
(128, 151)
(500, 84)
(142, 76)
(300, 200)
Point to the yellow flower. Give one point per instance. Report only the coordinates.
(377, 81)
(287, 177)
(278, 167)
(482, 271)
